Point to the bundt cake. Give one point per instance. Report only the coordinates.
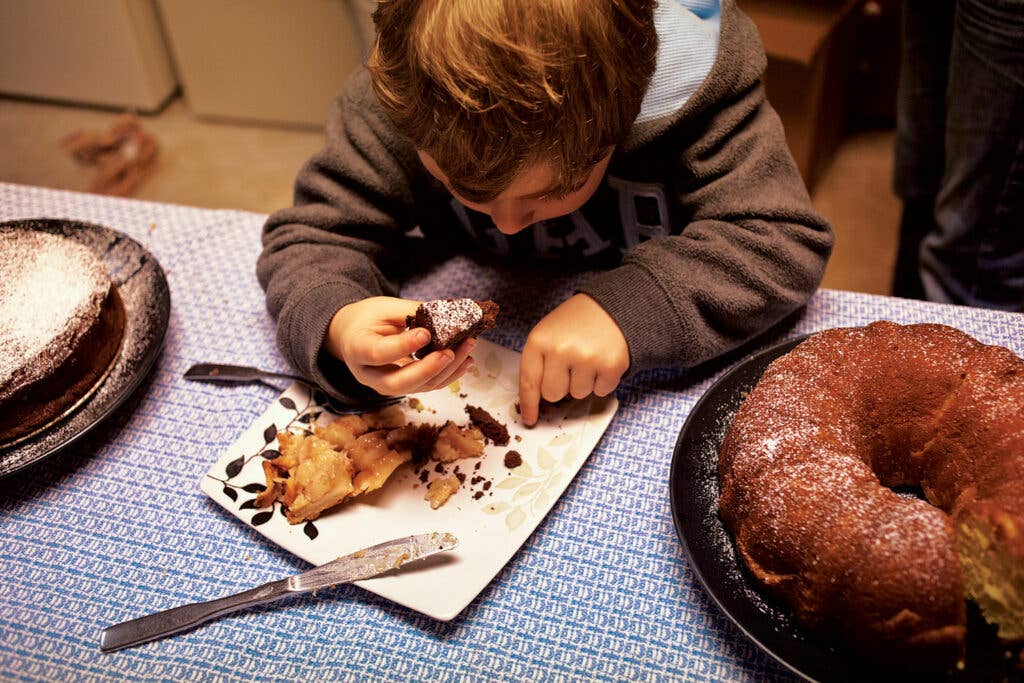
(61, 323)
(808, 469)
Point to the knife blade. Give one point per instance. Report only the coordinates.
(356, 566)
(223, 372)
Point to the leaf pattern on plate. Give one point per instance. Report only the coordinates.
(299, 422)
(515, 518)
(270, 433)
(261, 518)
(562, 439)
(533, 488)
(234, 467)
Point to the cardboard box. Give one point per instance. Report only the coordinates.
(270, 61)
(810, 61)
(109, 53)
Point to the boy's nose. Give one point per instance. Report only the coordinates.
(511, 222)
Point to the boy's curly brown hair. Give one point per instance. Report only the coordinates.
(490, 87)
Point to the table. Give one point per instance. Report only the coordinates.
(117, 527)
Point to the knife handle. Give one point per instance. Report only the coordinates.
(177, 619)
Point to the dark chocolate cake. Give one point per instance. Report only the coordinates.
(450, 321)
(61, 323)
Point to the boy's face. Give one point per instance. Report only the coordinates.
(526, 200)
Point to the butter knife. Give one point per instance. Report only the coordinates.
(223, 373)
(359, 565)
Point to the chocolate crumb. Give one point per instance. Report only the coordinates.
(485, 422)
(460, 476)
(487, 485)
(478, 495)
(518, 438)
(423, 476)
(476, 480)
(477, 466)
(439, 468)
(513, 459)
(463, 395)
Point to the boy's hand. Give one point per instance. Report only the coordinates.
(369, 336)
(576, 349)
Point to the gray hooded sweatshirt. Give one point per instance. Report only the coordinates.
(701, 232)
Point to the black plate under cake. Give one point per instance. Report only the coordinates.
(143, 288)
(694, 490)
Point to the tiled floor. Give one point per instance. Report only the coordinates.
(221, 164)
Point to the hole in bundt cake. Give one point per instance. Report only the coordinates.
(908, 491)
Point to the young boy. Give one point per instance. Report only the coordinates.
(614, 133)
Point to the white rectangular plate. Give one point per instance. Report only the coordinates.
(490, 520)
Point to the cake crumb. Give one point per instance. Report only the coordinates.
(490, 427)
(513, 459)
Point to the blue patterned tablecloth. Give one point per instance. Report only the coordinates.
(117, 527)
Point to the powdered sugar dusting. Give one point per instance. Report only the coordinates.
(451, 316)
(800, 484)
(47, 284)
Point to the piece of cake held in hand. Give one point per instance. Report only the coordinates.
(450, 321)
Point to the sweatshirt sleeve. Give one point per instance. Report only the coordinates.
(353, 205)
(752, 250)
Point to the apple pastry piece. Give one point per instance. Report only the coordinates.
(440, 490)
(343, 432)
(385, 418)
(374, 461)
(308, 477)
(454, 443)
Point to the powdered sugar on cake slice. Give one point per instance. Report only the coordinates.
(48, 285)
(451, 317)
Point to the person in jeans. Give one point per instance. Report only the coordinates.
(960, 153)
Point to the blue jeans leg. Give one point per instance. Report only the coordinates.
(975, 253)
(920, 131)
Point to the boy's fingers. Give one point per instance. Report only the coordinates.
(555, 384)
(581, 382)
(531, 369)
(394, 310)
(605, 384)
(449, 377)
(385, 350)
(391, 380)
(458, 364)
